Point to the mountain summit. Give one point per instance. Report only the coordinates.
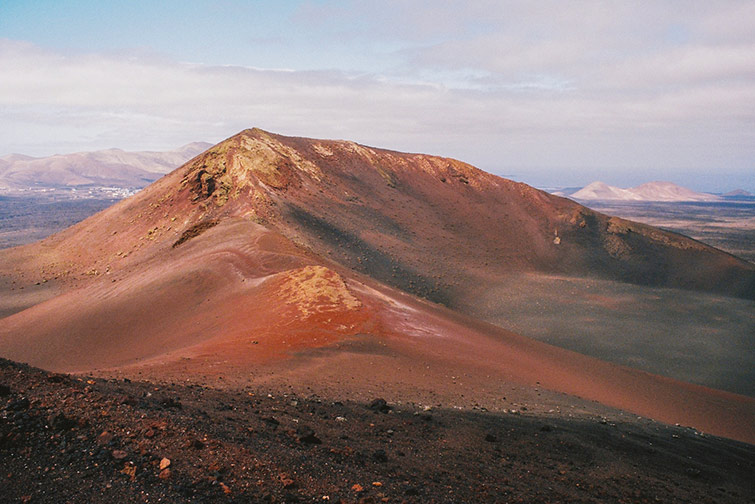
(433, 226)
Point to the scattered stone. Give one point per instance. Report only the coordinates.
(56, 378)
(356, 487)
(380, 405)
(306, 435)
(129, 470)
(119, 454)
(129, 400)
(61, 422)
(693, 472)
(291, 497)
(380, 456)
(285, 480)
(271, 422)
(170, 402)
(104, 438)
(164, 463)
(164, 474)
(216, 468)
(19, 404)
(226, 489)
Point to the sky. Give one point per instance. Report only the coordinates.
(551, 93)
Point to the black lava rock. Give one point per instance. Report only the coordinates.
(61, 422)
(380, 456)
(169, 402)
(380, 405)
(19, 404)
(306, 435)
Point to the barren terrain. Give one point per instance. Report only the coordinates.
(80, 439)
(308, 267)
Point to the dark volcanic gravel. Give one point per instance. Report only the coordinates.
(77, 439)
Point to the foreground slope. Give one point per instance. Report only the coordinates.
(115, 441)
(301, 260)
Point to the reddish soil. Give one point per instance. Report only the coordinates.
(229, 302)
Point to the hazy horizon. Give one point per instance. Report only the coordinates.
(543, 179)
(552, 94)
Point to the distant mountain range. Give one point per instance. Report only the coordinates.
(110, 167)
(651, 191)
(738, 193)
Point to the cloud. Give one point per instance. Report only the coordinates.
(509, 86)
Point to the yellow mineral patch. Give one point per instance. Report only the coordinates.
(256, 157)
(365, 152)
(316, 289)
(300, 162)
(322, 150)
(263, 155)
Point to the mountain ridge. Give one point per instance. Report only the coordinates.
(649, 191)
(379, 212)
(558, 235)
(107, 167)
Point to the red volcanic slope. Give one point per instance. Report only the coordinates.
(266, 246)
(421, 223)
